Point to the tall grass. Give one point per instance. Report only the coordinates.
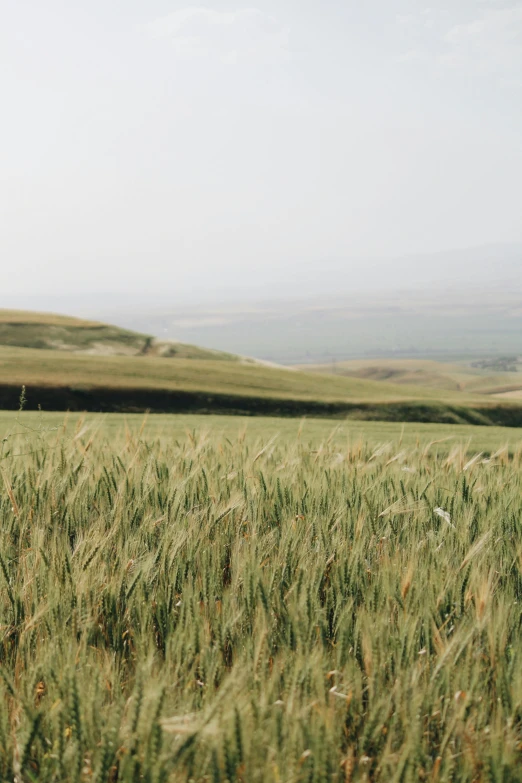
(210, 610)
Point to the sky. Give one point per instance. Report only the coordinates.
(182, 149)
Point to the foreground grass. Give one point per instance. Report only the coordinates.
(318, 433)
(229, 606)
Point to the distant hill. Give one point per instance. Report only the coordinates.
(48, 331)
(446, 305)
(494, 377)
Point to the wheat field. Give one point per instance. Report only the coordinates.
(215, 605)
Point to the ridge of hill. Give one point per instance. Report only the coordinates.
(49, 331)
(104, 368)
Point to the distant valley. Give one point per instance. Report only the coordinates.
(425, 324)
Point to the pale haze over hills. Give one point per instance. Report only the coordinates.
(461, 303)
(497, 266)
(165, 156)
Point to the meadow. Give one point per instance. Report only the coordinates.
(212, 599)
(493, 377)
(70, 364)
(60, 380)
(37, 367)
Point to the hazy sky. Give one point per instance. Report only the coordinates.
(164, 146)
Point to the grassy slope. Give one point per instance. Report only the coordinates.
(47, 331)
(51, 368)
(443, 376)
(61, 381)
(29, 317)
(512, 394)
(88, 375)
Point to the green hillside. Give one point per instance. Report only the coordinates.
(48, 367)
(47, 331)
(83, 365)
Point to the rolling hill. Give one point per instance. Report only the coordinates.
(495, 377)
(48, 331)
(68, 364)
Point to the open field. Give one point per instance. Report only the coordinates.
(317, 433)
(514, 394)
(58, 380)
(212, 599)
(53, 368)
(469, 377)
(68, 364)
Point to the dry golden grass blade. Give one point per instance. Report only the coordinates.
(9, 490)
(265, 448)
(403, 506)
(473, 461)
(477, 547)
